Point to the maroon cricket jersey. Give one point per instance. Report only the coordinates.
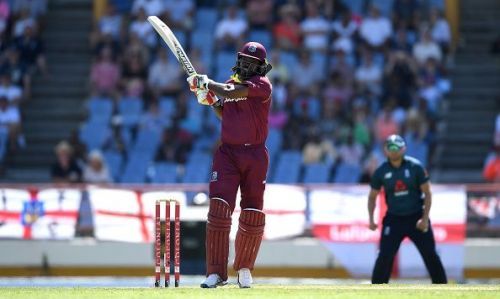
(244, 120)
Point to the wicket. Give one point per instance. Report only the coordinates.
(177, 242)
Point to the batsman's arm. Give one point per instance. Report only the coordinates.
(228, 91)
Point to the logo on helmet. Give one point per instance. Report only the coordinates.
(252, 48)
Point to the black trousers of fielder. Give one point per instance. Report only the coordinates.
(394, 230)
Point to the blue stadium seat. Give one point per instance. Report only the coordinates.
(274, 142)
(288, 168)
(100, 110)
(164, 173)
(356, 6)
(197, 168)
(317, 173)
(385, 6)
(206, 19)
(347, 174)
(136, 168)
(114, 160)
(94, 135)
(261, 36)
(130, 109)
(147, 141)
(167, 106)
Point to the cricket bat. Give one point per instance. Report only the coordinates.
(169, 38)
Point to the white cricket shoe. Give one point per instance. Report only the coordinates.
(245, 278)
(212, 281)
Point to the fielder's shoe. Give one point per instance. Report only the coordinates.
(245, 278)
(212, 281)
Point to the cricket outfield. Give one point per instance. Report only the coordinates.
(392, 291)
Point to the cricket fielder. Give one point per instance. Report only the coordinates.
(408, 197)
(240, 161)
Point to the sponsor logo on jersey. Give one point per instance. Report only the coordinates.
(400, 189)
(235, 99)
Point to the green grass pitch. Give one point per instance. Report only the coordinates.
(392, 291)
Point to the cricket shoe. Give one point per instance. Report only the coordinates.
(245, 278)
(212, 281)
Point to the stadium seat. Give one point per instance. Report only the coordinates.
(347, 174)
(197, 168)
(356, 6)
(114, 161)
(385, 6)
(136, 168)
(100, 110)
(288, 168)
(206, 19)
(317, 173)
(147, 141)
(94, 135)
(130, 109)
(167, 106)
(274, 142)
(164, 173)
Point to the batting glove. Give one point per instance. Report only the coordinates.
(206, 97)
(198, 82)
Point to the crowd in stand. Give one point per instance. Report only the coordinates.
(346, 74)
(21, 57)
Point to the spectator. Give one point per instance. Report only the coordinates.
(315, 29)
(179, 13)
(10, 122)
(230, 30)
(344, 32)
(385, 125)
(426, 48)
(105, 74)
(401, 41)
(287, 31)
(65, 169)
(369, 75)
(351, 152)
(341, 65)
(141, 27)
(440, 30)
(12, 92)
(305, 73)
(406, 11)
(318, 149)
(31, 51)
(4, 15)
(79, 148)
(337, 90)
(165, 76)
(13, 67)
(280, 71)
(259, 13)
(150, 7)
(111, 23)
(400, 78)
(96, 171)
(25, 20)
(134, 76)
(136, 47)
(362, 124)
(37, 8)
(375, 30)
(491, 171)
(153, 120)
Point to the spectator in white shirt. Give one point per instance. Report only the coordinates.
(143, 29)
(179, 13)
(315, 29)
(151, 7)
(426, 48)
(96, 171)
(165, 77)
(344, 31)
(305, 73)
(111, 23)
(24, 21)
(12, 92)
(440, 30)
(230, 30)
(375, 30)
(369, 75)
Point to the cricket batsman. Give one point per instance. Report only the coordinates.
(242, 104)
(408, 197)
